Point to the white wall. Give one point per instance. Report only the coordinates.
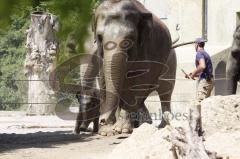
(177, 12)
(222, 21)
(188, 13)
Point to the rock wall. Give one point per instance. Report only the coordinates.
(221, 123)
(146, 142)
(221, 114)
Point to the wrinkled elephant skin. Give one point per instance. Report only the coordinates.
(137, 59)
(233, 64)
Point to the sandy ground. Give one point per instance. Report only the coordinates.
(22, 138)
(48, 137)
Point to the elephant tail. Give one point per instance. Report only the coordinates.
(174, 45)
(176, 40)
(182, 44)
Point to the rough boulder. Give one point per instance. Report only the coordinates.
(221, 122)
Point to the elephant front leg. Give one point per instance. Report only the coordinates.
(107, 113)
(106, 120)
(95, 125)
(81, 124)
(128, 120)
(77, 124)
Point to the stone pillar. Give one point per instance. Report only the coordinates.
(42, 49)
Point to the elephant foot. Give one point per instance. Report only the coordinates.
(95, 125)
(123, 124)
(82, 128)
(106, 130)
(144, 116)
(77, 128)
(162, 124)
(165, 120)
(106, 124)
(76, 131)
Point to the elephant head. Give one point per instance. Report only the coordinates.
(233, 64)
(236, 43)
(121, 31)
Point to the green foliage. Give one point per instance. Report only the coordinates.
(75, 18)
(74, 15)
(12, 55)
(9, 8)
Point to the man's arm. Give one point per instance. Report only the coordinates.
(200, 68)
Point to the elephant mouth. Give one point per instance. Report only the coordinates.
(136, 73)
(144, 87)
(236, 54)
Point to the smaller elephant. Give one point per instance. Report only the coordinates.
(233, 64)
(88, 112)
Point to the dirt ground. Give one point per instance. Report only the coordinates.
(49, 137)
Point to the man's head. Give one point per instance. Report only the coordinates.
(199, 43)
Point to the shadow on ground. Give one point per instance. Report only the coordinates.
(9, 142)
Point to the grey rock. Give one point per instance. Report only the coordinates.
(221, 114)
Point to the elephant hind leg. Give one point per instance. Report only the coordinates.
(165, 93)
(142, 116)
(166, 107)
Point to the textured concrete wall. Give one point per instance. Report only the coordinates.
(222, 19)
(187, 13)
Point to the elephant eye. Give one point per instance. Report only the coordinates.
(126, 44)
(110, 45)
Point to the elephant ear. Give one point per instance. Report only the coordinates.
(145, 28)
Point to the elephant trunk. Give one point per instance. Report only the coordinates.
(232, 75)
(236, 48)
(114, 69)
(231, 86)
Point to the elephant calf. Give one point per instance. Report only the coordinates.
(233, 64)
(88, 112)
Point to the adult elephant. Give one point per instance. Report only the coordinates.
(233, 64)
(137, 59)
